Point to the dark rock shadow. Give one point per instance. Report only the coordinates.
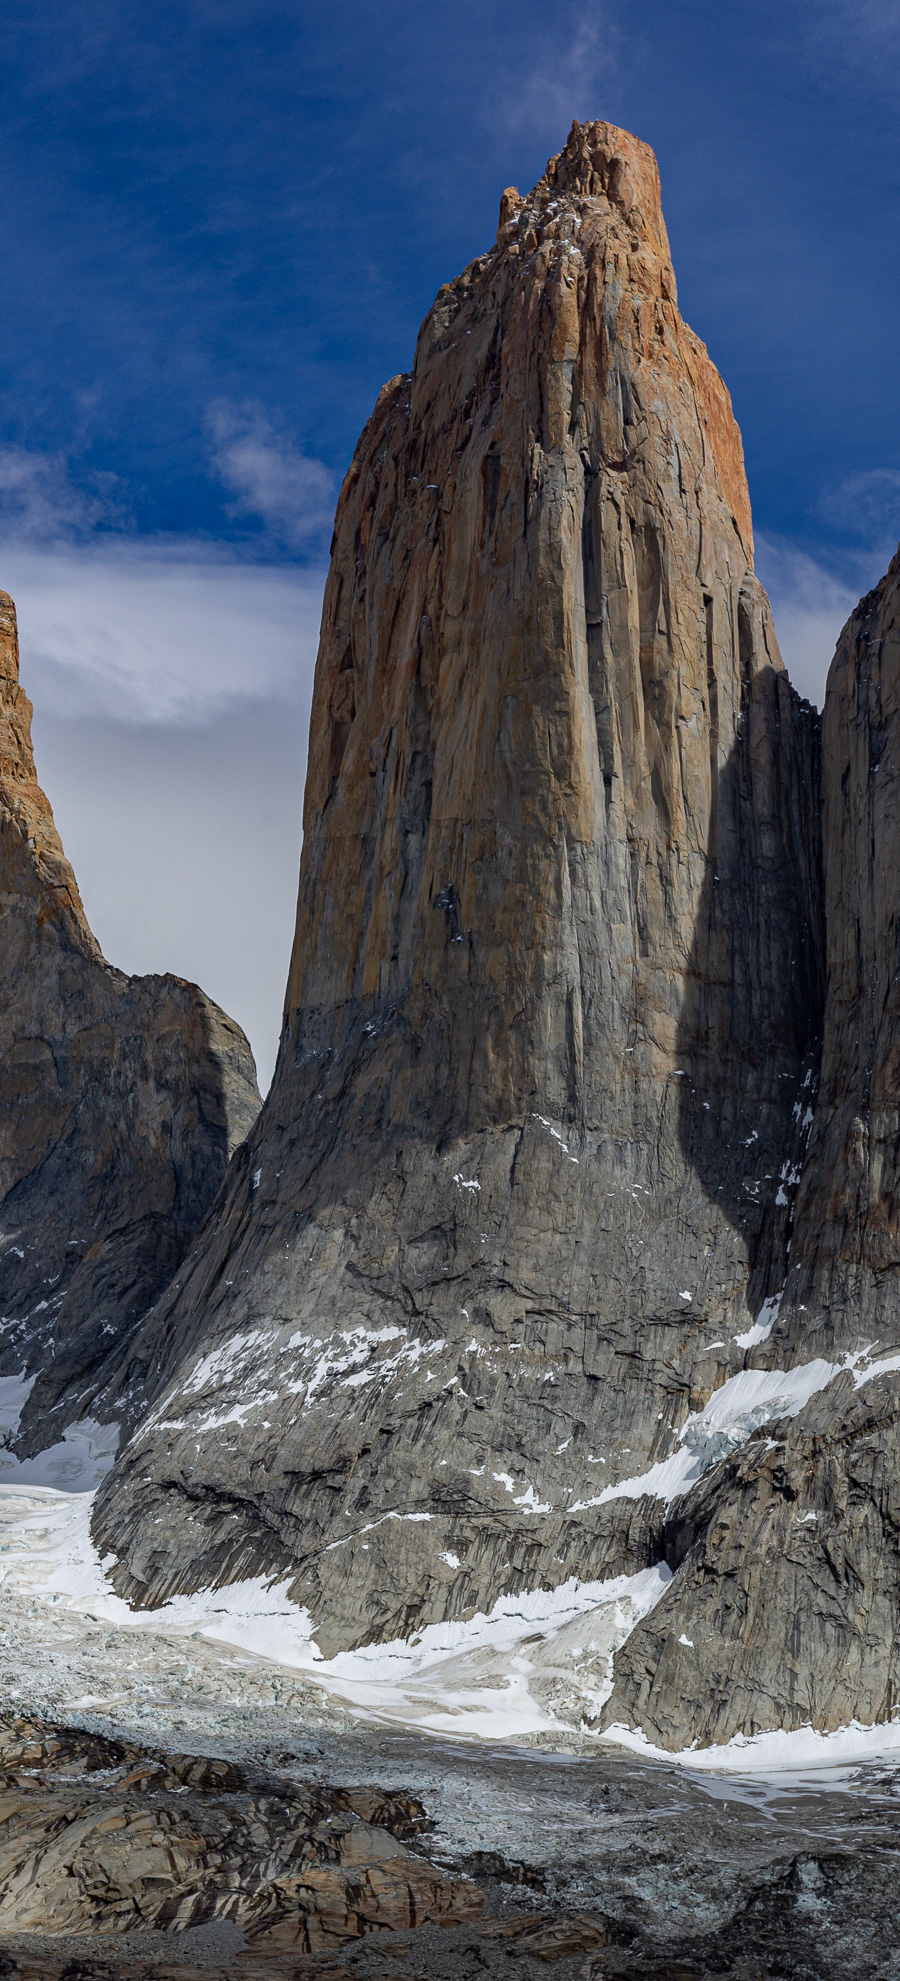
(750, 1032)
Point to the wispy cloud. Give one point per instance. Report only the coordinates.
(874, 21)
(814, 592)
(158, 633)
(846, 35)
(171, 685)
(160, 630)
(186, 844)
(40, 502)
(268, 476)
(563, 81)
(811, 603)
(865, 508)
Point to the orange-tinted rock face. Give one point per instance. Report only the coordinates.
(120, 1100)
(22, 802)
(101, 1835)
(514, 649)
(556, 980)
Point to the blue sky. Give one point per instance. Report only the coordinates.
(221, 224)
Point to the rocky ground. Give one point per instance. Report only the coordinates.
(175, 1807)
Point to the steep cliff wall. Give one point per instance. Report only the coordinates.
(121, 1099)
(785, 1608)
(556, 985)
(845, 1261)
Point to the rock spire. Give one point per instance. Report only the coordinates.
(515, 1202)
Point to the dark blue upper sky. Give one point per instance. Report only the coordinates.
(222, 221)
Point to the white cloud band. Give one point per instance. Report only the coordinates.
(170, 634)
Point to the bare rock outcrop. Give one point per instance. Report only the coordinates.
(100, 1835)
(524, 1175)
(121, 1100)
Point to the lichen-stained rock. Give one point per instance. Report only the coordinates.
(121, 1099)
(556, 983)
(786, 1555)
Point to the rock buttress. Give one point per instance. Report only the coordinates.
(121, 1099)
(556, 980)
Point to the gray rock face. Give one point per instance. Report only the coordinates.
(785, 1608)
(121, 1099)
(555, 1003)
(787, 1554)
(846, 1256)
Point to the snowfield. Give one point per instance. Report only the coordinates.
(533, 1672)
(538, 1664)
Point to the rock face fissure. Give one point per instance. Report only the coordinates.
(121, 1100)
(555, 1009)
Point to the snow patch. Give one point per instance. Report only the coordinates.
(214, 1369)
(764, 1322)
(745, 1402)
(527, 1499)
(76, 1463)
(557, 1137)
(867, 1374)
(775, 1752)
(14, 1394)
(243, 1365)
(370, 1526)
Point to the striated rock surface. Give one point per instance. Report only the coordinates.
(121, 1099)
(523, 1185)
(787, 1554)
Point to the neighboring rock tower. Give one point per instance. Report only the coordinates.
(121, 1099)
(786, 1554)
(555, 1001)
